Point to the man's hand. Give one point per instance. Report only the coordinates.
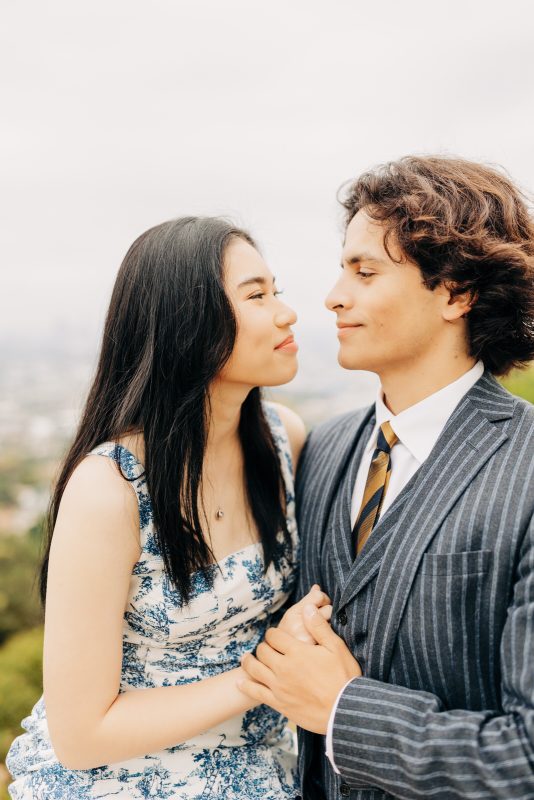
(293, 622)
(301, 681)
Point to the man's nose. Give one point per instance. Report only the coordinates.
(337, 298)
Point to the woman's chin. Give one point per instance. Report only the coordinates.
(281, 376)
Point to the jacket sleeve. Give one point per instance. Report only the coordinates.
(403, 741)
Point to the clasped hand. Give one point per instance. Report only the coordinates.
(302, 665)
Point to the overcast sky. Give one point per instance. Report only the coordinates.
(119, 114)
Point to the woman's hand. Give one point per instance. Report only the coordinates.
(293, 623)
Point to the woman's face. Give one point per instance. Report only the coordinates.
(265, 353)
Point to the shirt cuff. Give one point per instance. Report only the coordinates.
(330, 730)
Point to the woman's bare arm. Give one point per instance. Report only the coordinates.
(95, 545)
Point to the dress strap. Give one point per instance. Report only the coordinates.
(134, 472)
(131, 468)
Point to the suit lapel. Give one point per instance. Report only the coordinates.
(316, 490)
(368, 563)
(338, 537)
(469, 439)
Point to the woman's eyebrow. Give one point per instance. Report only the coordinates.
(257, 279)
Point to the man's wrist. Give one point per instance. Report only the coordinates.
(330, 727)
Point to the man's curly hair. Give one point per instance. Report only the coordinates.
(468, 227)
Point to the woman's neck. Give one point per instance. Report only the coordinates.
(225, 405)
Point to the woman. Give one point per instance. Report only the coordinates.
(174, 540)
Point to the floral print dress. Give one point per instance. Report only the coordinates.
(165, 643)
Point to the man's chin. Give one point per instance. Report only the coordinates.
(351, 361)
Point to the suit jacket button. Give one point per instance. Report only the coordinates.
(344, 789)
(342, 617)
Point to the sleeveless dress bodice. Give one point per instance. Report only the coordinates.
(169, 643)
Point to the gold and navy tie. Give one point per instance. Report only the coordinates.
(375, 486)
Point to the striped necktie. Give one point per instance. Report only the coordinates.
(375, 486)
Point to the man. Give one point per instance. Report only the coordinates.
(416, 515)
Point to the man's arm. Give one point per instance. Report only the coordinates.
(401, 740)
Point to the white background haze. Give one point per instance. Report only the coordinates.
(119, 115)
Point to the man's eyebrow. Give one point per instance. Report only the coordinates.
(356, 259)
(257, 279)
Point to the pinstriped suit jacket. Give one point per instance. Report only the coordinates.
(438, 609)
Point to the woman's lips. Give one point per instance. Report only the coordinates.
(289, 345)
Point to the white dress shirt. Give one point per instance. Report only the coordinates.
(418, 428)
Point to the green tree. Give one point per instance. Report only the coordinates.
(19, 603)
(521, 383)
(21, 669)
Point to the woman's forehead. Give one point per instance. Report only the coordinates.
(242, 263)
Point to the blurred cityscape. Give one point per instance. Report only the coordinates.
(42, 389)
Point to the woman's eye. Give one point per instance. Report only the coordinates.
(261, 295)
(362, 274)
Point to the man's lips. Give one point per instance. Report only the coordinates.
(344, 328)
(289, 343)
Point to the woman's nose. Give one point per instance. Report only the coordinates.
(285, 316)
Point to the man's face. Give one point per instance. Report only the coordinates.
(386, 317)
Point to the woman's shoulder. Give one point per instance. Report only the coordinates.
(98, 502)
(97, 482)
(293, 426)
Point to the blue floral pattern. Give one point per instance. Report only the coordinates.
(166, 643)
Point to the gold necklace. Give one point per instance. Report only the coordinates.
(219, 514)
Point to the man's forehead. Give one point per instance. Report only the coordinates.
(363, 244)
(363, 226)
(364, 240)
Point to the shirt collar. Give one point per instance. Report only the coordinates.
(419, 426)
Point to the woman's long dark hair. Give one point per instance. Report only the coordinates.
(169, 330)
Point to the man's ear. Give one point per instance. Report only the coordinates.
(459, 304)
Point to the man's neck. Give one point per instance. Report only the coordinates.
(404, 387)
